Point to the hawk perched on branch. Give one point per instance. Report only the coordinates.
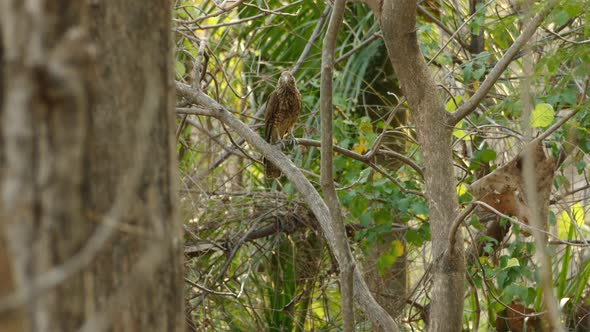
(282, 110)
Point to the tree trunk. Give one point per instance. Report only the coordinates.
(87, 171)
(398, 23)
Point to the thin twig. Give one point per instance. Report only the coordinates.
(457, 222)
(583, 42)
(207, 290)
(365, 42)
(312, 40)
(396, 182)
(240, 21)
(363, 158)
(444, 28)
(220, 12)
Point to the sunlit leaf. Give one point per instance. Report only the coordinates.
(461, 189)
(453, 103)
(360, 147)
(564, 222)
(384, 262)
(366, 126)
(512, 262)
(180, 69)
(397, 248)
(542, 115)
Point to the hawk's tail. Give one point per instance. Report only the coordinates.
(270, 170)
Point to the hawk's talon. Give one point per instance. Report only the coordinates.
(281, 144)
(292, 141)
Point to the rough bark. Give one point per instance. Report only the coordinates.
(398, 22)
(10, 320)
(87, 214)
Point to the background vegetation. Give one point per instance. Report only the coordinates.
(256, 259)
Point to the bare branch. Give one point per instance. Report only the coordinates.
(327, 177)
(312, 40)
(457, 222)
(364, 158)
(586, 41)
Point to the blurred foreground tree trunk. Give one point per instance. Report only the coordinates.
(88, 234)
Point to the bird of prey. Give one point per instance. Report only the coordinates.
(282, 110)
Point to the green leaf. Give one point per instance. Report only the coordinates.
(461, 189)
(384, 262)
(515, 290)
(387, 259)
(512, 262)
(468, 71)
(364, 175)
(414, 237)
(382, 216)
(365, 126)
(453, 103)
(460, 133)
(180, 69)
(420, 208)
(542, 115)
(580, 166)
(485, 155)
(397, 248)
(365, 219)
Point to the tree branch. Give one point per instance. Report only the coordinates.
(312, 40)
(208, 107)
(364, 158)
(327, 177)
(457, 222)
(502, 64)
(557, 125)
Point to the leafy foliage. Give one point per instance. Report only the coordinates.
(285, 280)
